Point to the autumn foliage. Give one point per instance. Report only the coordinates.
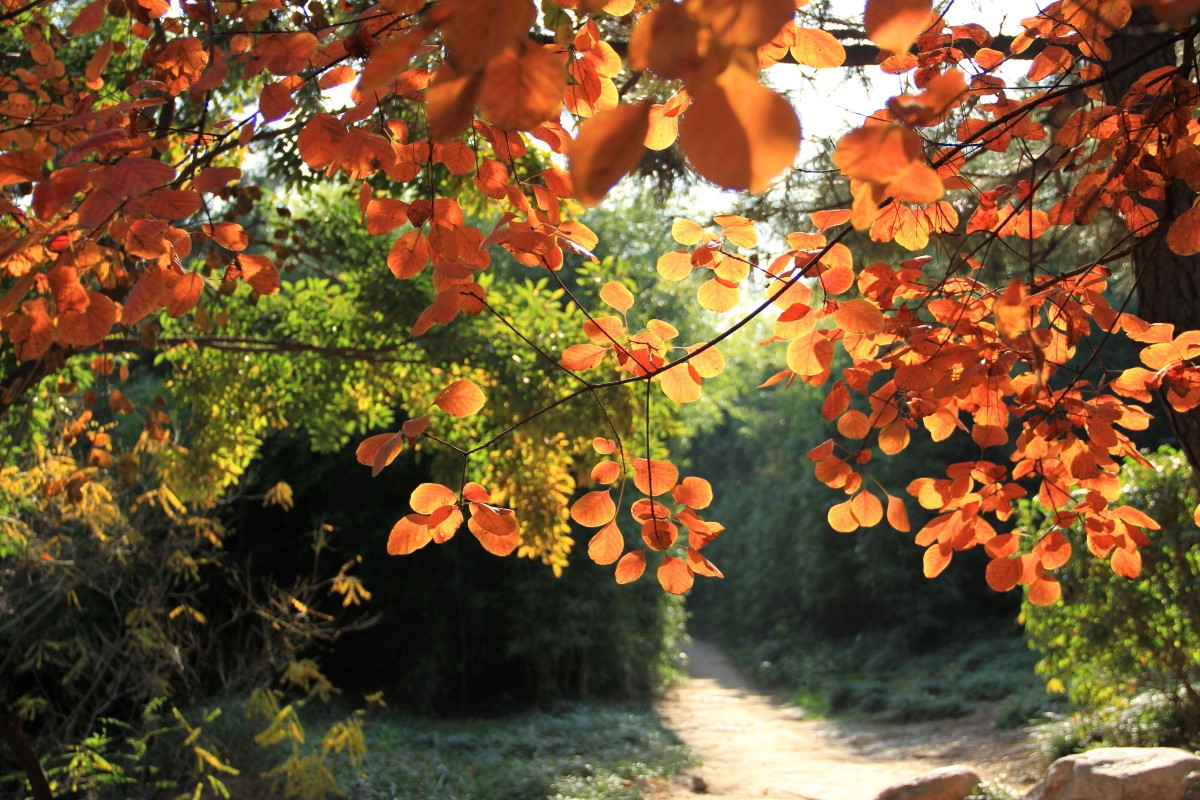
(127, 193)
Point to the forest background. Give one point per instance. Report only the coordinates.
(205, 337)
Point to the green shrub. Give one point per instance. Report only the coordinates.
(1112, 638)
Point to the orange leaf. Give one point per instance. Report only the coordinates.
(88, 326)
(409, 255)
(858, 316)
(824, 220)
(894, 437)
(662, 131)
(701, 565)
(608, 146)
(522, 87)
(693, 493)
(1003, 574)
(897, 515)
(407, 536)
(1054, 550)
(450, 102)
(937, 558)
(431, 497)
(260, 272)
(477, 30)
(659, 534)
(675, 265)
(738, 133)
(681, 384)
(461, 399)
(606, 472)
(495, 528)
(854, 424)
(631, 566)
(606, 546)
(385, 214)
(134, 175)
(841, 518)
(1133, 516)
(1196, 516)
(582, 356)
(1044, 592)
(229, 235)
(616, 295)
(380, 450)
(895, 24)
(185, 293)
(675, 576)
(1127, 563)
(594, 509)
(817, 48)
(604, 447)
(866, 509)
(654, 477)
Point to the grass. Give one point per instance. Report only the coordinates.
(575, 753)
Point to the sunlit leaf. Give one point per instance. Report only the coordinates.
(654, 477)
(594, 509)
(428, 498)
(631, 566)
(461, 398)
(606, 546)
(675, 576)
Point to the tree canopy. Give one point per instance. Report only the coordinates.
(152, 152)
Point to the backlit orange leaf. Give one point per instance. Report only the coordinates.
(681, 383)
(606, 472)
(701, 565)
(89, 325)
(841, 518)
(522, 86)
(616, 295)
(897, 514)
(407, 536)
(654, 477)
(858, 316)
(937, 558)
(410, 254)
(606, 546)
(594, 509)
(1002, 574)
(866, 509)
(1044, 592)
(495, 528)
(579, 357)
(895, 24)
(675, 576)
(814, 47)
(380, 450)
(461, 398)
(854, 424)
(260, 272)
(429, 498)
(738, 133)
(477, 30)
(693, 493)
(608, 146)
(1183, 237)
(603, 446)
(662, 130)
(631, 566)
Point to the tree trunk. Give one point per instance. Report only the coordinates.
(1168, 285)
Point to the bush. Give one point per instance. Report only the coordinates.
(1113, 638)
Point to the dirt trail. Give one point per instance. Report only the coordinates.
(753, 746)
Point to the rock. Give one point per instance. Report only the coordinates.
(947, 783)
(1119, 773)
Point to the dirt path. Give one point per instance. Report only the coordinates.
(752, 746)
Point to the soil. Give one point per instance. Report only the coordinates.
(753, 745)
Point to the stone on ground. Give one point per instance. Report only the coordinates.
(947, 783)
(1118, 773)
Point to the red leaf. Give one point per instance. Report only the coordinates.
(409, 255)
